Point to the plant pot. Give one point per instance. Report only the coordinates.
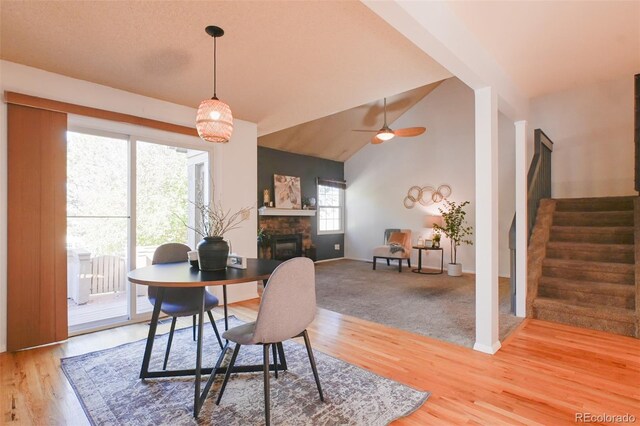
(213, 253)
(454, 269)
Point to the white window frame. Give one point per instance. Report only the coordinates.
(341, 210)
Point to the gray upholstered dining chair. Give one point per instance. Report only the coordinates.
(181, 302)
(288, 306)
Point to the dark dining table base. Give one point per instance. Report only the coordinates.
(199, 371)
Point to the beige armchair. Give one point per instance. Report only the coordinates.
(397, 246)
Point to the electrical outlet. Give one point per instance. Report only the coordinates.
(336, 246)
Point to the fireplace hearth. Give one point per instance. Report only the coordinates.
(284, 247)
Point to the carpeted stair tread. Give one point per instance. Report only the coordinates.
(567, 245)
(602, 312)
(618, 253)
(605, 318)
(589, 271)
(618, 268)
(594, 204)
(593, 234)
(592, 287)
(594, 229)
(587, 292)
(597, 218)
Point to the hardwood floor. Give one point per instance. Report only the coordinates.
(545, 373)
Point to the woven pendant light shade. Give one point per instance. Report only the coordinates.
(214, 121)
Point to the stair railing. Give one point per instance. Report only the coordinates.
(539, 187)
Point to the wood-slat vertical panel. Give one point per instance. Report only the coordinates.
(637, 129)
(37, 226)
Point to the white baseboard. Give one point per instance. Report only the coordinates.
(360, 260)
(333, 259)
(480, 347)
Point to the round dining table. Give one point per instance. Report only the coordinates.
(183, 275)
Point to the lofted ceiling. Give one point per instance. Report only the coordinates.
(333, 138)
(549, 46)
(279, 63)
(308, 72)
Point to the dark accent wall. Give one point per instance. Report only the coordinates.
(271, 161)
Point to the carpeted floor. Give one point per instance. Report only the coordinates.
(437, 306)
(111, 393)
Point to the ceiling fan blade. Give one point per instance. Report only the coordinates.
(361, 130)
(410, 131)
(376, 141)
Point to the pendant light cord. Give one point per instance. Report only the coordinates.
(214, 68)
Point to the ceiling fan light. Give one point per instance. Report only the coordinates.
(385, 135)
(214, 121)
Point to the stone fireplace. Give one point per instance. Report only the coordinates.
(283, 226)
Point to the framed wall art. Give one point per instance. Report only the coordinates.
(287, 192)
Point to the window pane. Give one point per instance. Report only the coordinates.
(328, 196)
(161, 195)
(97, 175)
(329, 219)
(97, 228)
(167, 180)
(329, 209)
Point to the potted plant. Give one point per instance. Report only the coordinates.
(456, 229)
(214, 223)
(435, 242)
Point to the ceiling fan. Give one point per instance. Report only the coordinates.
(386, 133)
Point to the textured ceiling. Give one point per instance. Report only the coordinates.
(332, 137)
(279, 64)
(548, 46)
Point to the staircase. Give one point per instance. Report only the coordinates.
(585, 271)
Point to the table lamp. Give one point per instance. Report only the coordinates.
(430, 221)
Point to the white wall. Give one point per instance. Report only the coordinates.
(592, 131)
(506, 189)
(235, 164)
(378, 176)
(235, 172)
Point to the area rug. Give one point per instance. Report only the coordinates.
(437, 306)
(107, 384)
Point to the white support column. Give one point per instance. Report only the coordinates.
(486, 241)
(522, 229)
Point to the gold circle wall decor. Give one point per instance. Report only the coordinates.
(426, 195)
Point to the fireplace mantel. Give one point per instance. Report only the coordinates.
(271, 211)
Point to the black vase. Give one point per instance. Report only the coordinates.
(213, 253)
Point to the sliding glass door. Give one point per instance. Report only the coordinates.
(125, 197)
(97, 228)
(168, 179)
